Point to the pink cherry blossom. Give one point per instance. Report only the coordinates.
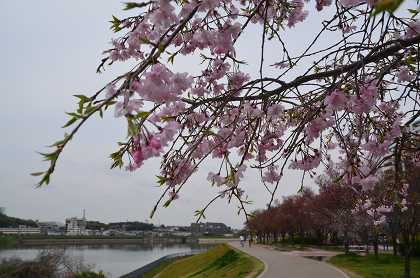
(215, 179)
(384, 209)
(138, 156)
(364, 102)
(413, 29)
(368, 183)
(377, 149)
(297, 14)
(308, 163)
(405, 75)
(349, 3)
(349, 110)
(129, 107)
(271, 175)
(238, 79)
(316, 126)
(155, 143)
(336, 100)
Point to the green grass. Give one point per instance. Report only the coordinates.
(220, 261)
(385, 266)
(159, 268)
(216, 236)
(289, 247)
(7, 241)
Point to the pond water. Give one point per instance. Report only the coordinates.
(113, 260)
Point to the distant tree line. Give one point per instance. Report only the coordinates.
(306, 218)
(127, 226)
(7, 221)
(340, 215)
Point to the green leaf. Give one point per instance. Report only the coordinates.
(45, 179)
(50, 156)
(115, 24)
(133, 129)
(300, 189)
(36, 174)
(167, 203)
(208, 132)
(171, 58)
(167, 118)
(143, 114)
(386, 6)
(161, 47)
(132, 5)
(161, 180)
(410, 60)
(80, 109)
(144, 40)
(414, 12)
(200, 213)
(90, 108)
(70, 122)
(117, 158)
(82, 98)
(74, 114)
(58, 143)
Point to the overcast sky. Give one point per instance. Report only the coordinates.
(50, 50)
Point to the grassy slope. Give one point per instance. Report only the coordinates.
(220, 261)
(159, 268)
(386, 266)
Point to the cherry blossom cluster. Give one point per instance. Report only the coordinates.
(347, 114)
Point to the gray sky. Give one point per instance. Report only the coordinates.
(50, 50)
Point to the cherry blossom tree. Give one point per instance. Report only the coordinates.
(336, 202)
(346, 108)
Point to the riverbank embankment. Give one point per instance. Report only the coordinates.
(219, 261)
(101, 241)
(215, 240)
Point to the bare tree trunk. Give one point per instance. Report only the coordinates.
(407, 265)
(367, 245)
(407, 256)
(346, 243)
(394, 246)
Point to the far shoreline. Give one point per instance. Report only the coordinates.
(27, 242)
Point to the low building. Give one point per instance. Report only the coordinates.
(75, 226)
(210, 228)
(91, 232)
(181, 234)
(51, 228)
(21, 230)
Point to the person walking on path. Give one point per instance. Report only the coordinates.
(241, 239)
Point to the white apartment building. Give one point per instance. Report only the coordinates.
(75, 226)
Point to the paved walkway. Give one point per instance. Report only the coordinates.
(281, 265)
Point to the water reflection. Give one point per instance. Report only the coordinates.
(115, 260)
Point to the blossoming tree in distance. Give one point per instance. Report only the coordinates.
(349, 107)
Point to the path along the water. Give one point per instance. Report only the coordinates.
(281, 265)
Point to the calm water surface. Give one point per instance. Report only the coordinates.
(114, 260)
